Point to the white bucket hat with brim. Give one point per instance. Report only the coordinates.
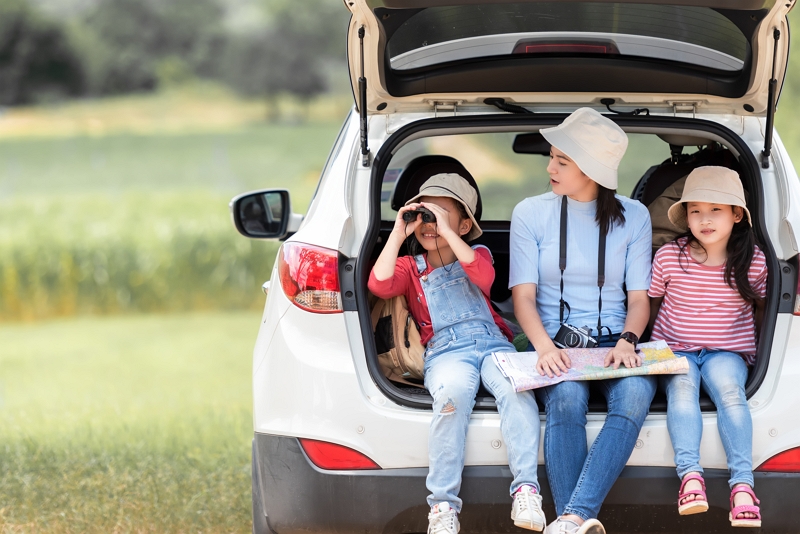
(594, 142)
(715, 185)
(453, 186)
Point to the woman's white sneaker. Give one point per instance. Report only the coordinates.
(443, 520)
(565, 526)
(526, 512)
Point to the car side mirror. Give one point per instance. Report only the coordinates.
(265, 214)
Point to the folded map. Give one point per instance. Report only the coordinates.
(587, 364)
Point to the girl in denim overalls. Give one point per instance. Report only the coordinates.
(447, 289)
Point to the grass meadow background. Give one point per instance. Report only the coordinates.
(129, 305)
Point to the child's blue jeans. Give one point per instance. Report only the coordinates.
(722, 375)
(459, 360)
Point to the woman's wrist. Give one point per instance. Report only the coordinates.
(625, 345)
(543, 345)
(629, 337)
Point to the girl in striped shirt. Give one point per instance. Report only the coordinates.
(706, 285)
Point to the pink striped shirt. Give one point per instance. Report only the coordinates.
(700, 311)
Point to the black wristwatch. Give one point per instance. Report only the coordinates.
(630, 337)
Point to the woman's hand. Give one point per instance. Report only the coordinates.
(553, 361)
(625, 354)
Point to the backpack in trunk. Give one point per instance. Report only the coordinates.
(397, 340)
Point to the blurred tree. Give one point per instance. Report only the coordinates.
(130, 41)
(122, 46)
(37, 60)
(291, 55)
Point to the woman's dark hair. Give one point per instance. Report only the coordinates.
(609, 210)
(412, 245)
(740, 249)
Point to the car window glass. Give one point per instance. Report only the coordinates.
(505, 177)
(694, 35)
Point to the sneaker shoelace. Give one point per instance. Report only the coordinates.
(445, 520)
(524, 501)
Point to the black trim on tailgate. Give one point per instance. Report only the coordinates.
(299, 498)
(565, 74)
(751, 179)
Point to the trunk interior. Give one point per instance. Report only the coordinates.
(507, 159)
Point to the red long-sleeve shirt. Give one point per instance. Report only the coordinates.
(405, 281)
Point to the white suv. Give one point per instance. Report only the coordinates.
(340, 448)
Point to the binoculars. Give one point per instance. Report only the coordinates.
(427, 215)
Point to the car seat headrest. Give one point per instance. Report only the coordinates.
(422, 168)
(684, 140)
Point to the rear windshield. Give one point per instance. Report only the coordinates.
(504, 176)
(435, 35)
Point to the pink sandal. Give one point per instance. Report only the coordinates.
(698, 505)
(753, 509)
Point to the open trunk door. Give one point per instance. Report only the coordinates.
(702, 55)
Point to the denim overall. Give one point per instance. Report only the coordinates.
(457, 358)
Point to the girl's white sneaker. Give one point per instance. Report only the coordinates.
(443, 520)
(526, 512)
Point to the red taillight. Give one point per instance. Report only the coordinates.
(565, 48)
(785, 462)
(337, 457)
(310, 277)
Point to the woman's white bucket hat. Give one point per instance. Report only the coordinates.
(715, 185)
(595, 143)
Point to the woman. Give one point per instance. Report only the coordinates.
(578, 283)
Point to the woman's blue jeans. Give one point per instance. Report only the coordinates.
(581, 477)
(722, 375)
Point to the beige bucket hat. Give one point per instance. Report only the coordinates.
(456, 187)
(717, 185)
(594, 142)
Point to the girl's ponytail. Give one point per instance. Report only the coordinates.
(741, 247)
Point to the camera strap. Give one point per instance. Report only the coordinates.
(562, 265)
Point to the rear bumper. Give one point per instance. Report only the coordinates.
(298, 497)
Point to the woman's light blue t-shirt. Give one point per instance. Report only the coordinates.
(534, 251)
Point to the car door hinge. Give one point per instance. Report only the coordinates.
(788, 281)
(684, 107)
(445, 105)
(347, 282)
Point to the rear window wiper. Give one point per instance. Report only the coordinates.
(501, 103)
(608, 102)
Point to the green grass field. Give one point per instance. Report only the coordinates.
(130, 424)
(135, 223)
(228, 162)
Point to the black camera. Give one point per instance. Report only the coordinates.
(427, 215)
(570, 337)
